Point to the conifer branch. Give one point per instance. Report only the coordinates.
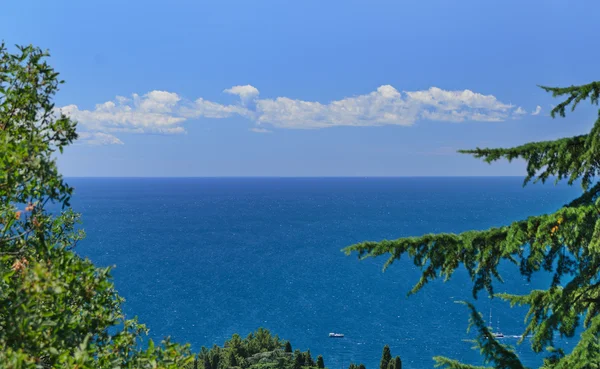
(586, 354)
(566, 243)
(567, 158)
(533, 244)
(576, 95)
(563, 158)
(557, 309)
(501, 356)
(589, 197)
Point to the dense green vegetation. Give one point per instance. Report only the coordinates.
(565, 243)
(262, 350)
(259, 350)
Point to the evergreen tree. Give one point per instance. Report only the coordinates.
(352, 366)
(386, 357)
(298, 359)
(308, 359)
(206, 362)
(232, 359)
(362, 366)
(215, 357)
(320, 363)
(237, 345)
(203, 358)
(397, 363)
(288, 347)
(565, 243)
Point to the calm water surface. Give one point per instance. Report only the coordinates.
(201, 259)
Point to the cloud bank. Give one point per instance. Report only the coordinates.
(164, 112)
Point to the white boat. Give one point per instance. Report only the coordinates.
(336, 335)
(497, 334)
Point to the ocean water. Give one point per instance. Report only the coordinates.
(201, 259)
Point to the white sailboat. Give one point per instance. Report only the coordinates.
(497, 334)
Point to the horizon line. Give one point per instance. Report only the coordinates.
(292, 177)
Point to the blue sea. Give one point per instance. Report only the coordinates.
(199, 259)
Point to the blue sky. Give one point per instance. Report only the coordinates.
(308, 88)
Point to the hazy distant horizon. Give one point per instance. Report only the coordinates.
(300, 176)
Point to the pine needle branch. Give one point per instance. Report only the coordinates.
(576, 94)
(499, 355)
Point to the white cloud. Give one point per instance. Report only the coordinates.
(246, 93)
(260, 130)
(452, 100)
(207, 109)
(537, 111)
(520, 111)
(165, 112)
(385, 106)
(97, 139)
(151, 113)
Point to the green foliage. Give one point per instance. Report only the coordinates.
(396, 363)
(254, 343)
(387, 361)
(298, 360)
(354, 366)
(320, 362)
(212, 358)
(258, 350)
(288, 347)
(308, 360)
(572, 157)
(386, 357)
(56, 309)
(565, 243)
(501, 356)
